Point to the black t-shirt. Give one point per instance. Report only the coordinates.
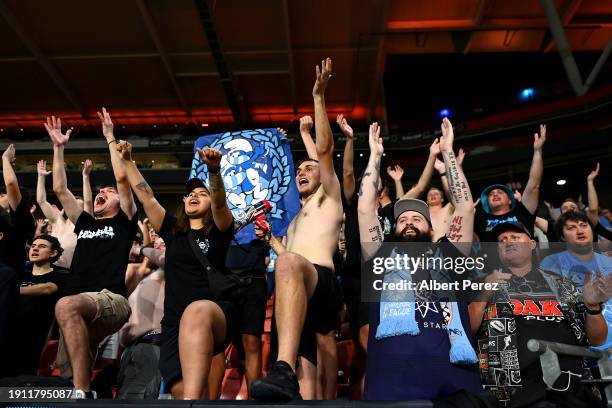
(35, 315)
(21, 231)
(186, 279)
(248, 259)
(538, 316)
(485, 222)
(101, 253)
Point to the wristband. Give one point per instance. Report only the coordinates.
(443, 174)
(594, 313)
(112, 140)
(214, 170)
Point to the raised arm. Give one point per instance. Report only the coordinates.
(126, 199)
(421, 185)
(396, 173)
(155, 212)
(305, 128)
(348, 172)
(41, 193)
(60, 185)
(461, 229)
(87, 195)
(324, 136)
(370, 232)
(10, 178)
(593, 212)
(222, 216)
(532, 189)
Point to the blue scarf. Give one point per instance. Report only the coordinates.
(397, 317)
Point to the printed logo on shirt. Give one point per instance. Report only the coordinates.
(544, 311)
(107, 233)
(203, 244)
(492, 223)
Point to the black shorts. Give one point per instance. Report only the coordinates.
(252, 307)
(169, 361)
(322, 313)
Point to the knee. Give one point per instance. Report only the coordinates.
(285, 265)
(251, 343)
(65, 309)
(197, 314)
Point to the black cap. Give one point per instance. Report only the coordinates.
(510, 226)
(194, 183)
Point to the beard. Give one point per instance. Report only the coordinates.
(419, 236)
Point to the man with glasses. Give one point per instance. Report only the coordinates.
(534, 304)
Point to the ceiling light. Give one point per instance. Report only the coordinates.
(561, 182)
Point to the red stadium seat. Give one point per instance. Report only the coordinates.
(46, 363)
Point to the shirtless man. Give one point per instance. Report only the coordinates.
(305, 283)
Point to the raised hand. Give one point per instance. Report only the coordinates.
(282, 131)
(346, 129)
(306, 124)
(596, 291)
(54, 129)
(125, 150)
(210, 156)
(594, 173)
(87, 167)
(448, 136)
(324, 72)
(434, 149)
(395, 172)
(538, 140)
(439, 166)
(375, 141)
(9, 154)
(107, 124)
(41, 168)
(460, 157)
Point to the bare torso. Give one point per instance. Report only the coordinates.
(314, 231)
(440, 220)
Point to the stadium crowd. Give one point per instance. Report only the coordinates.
(148, 304)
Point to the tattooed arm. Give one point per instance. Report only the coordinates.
(370, 232)
(461, 228)
(155, 212)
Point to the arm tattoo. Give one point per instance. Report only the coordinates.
(144, 187)
(457, 187)
(215, 182)
(376, 233)
(365, 175)
(454, 230)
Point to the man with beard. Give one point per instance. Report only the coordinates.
(306, 293)
(96, 304)
(580, 259)
(418, 360)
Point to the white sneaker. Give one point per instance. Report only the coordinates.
(80, 394)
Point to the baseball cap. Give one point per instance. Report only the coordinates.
(194, 183)
(484, 197)
(510, 226)
(411, 204)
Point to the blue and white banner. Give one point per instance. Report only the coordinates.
(256, 165)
